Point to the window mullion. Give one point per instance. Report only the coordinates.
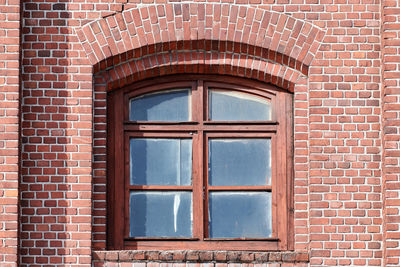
(205, 187)
(197, 179)
(202, 105)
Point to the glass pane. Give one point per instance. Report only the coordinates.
(244, 214)
(162, 106)
(239, 161)
(161, 214)
(160, 161)
(237, 106)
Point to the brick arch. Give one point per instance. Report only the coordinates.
(200, 38)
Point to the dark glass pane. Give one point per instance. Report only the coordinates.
(244, 214)
(239, 161)
(162, 106)
(237, 106)
(160, 161)
(161, 214)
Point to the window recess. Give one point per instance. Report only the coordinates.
(200, 163)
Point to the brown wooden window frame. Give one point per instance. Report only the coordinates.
(279, 129)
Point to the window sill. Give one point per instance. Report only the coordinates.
(200, 256)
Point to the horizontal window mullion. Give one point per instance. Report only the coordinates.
(240, 188)
(246, 134)
(242, 239)
(241, 122)
(160, 134)
(206, 128)
(161, 238)
(180, 123)
(160, 187)
(231, 126)
(240, 128)
(161, 127)
(163, 123)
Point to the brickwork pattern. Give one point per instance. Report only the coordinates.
(56, 139)
(391, 129)
(338, 138)
(227, 39)
(342, 107)
(345, 139)
(9, 129)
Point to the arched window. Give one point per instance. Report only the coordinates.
(200, 162)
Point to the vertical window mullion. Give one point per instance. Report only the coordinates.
(117, 169)
(197, 102)
(197, 182)
(274, 196)
(282, 152)
(126, 183)
(206, 220)
(197, 170)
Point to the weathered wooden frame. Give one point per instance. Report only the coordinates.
(279, 129)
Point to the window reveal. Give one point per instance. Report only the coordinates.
(200, 164)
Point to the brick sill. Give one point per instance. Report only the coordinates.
(200, 256)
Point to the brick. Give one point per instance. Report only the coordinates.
(346, 96)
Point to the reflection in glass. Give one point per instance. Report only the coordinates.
(240, 214)
(237, 106)
(160, 161)
(239, 162)
(160, 214)
(161, 106)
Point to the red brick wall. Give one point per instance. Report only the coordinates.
(391, 130)
(346, 116)
(345, 197)
(56, 138)
(9, 129)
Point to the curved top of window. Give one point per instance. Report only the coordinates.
(170, 105)
(237, 106)
(178, 105)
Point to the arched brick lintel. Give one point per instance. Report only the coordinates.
(195, 62)
(221, 30)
